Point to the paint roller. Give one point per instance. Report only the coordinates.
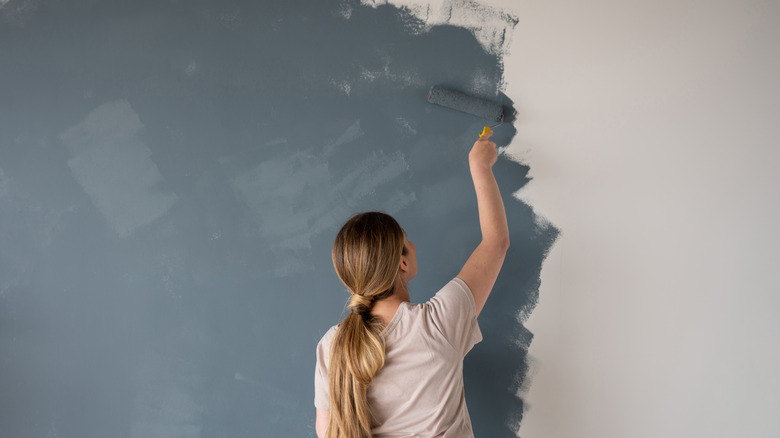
(468, 104)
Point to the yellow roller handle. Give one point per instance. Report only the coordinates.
(485, 131)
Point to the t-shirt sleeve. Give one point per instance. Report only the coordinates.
(453, 312)
(321, 397)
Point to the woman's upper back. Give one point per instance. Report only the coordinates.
(419, 390)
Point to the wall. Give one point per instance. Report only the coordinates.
(172, 176)
(650, 130)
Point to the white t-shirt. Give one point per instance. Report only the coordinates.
(419, 391)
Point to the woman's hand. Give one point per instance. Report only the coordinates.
(483, 153)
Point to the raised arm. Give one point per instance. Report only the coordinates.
(482, 267)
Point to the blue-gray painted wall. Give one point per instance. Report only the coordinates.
(172, 175)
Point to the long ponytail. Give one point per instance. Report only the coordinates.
(366, 256)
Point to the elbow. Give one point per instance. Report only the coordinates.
(497, 244)
(504, 244)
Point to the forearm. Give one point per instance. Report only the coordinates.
(321, 423)
(492, 216)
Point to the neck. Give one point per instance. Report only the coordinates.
(385, 309)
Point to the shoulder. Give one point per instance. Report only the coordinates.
(452, 302)
(327, 337)
(453, 314)
(457, 291)
(323, 347)
(460, 285)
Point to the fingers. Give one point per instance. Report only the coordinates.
(486, 135)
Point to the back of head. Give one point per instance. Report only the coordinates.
(366, 256)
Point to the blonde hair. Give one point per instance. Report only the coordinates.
(366, 255)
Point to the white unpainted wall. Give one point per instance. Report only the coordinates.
(652, 129)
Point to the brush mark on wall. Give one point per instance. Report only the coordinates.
(491, 26)
(294, 197)
(114, 167)
(172, 183)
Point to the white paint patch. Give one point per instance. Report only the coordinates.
(491, 26)
(343, 86)
(113, 166)
(3, 3)
(345, 10)
(484, 84)
(368, 75)
(405, 78)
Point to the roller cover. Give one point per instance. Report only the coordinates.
(456, 100)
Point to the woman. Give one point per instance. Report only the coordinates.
(393, 368)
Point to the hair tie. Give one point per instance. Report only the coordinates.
(360, 304)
